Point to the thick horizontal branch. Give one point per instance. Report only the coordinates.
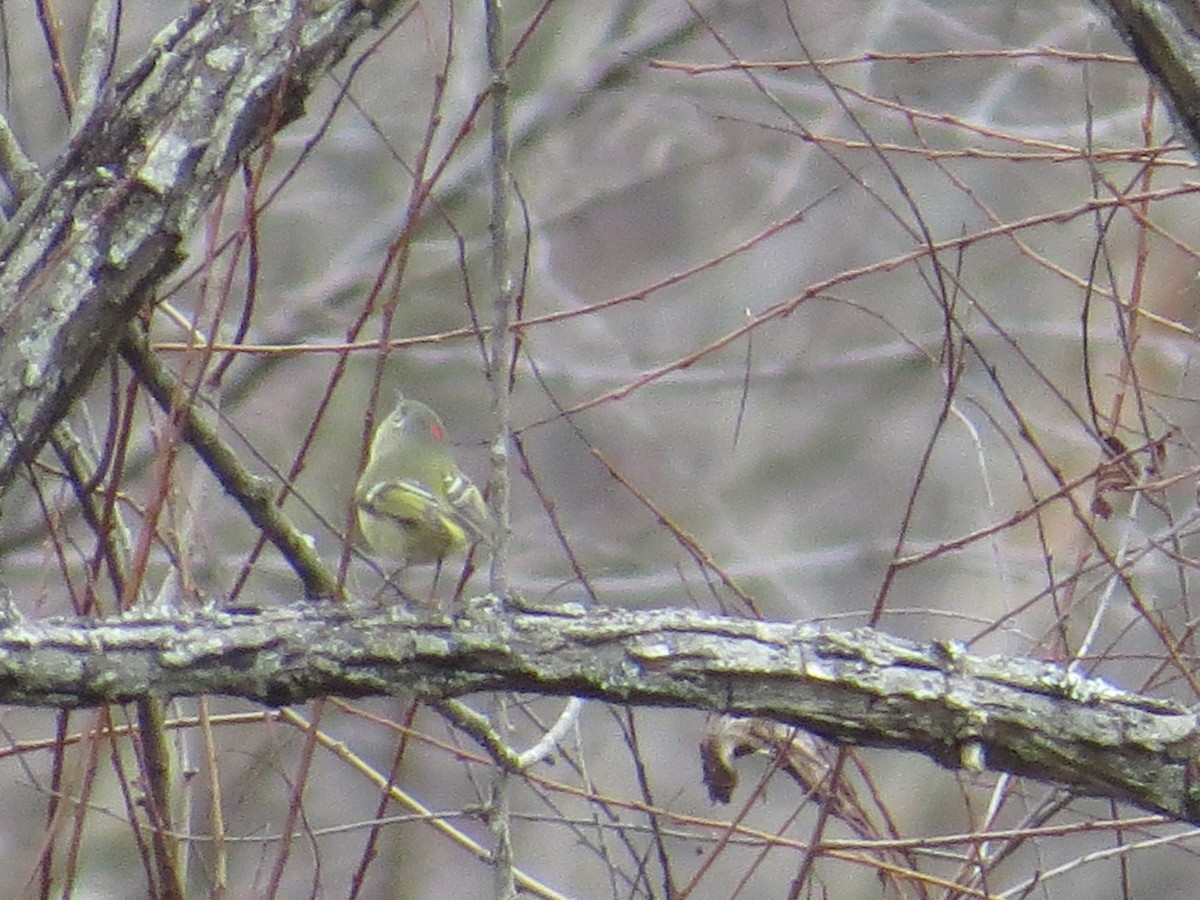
(860, 686)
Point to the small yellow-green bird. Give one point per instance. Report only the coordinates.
(414, 503)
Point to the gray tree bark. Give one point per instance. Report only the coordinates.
(1164, 35)
(860, 686)
(88, 245)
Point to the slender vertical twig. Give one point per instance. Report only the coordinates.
(498, 359)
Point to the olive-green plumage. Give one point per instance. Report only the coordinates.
(414, 503)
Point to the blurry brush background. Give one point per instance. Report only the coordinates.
(815, 278)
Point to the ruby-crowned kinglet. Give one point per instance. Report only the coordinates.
(414, 503)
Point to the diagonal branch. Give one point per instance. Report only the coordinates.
(1164, 35)
(861, 686)
(85, 251)
(253, 495)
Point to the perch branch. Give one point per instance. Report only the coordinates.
(860, 686)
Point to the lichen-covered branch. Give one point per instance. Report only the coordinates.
(860, 686)
(86, 248)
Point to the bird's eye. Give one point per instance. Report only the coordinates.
(436, 430)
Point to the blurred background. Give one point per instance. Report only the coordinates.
(805, 291)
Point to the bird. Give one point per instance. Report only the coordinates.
(414, 504)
